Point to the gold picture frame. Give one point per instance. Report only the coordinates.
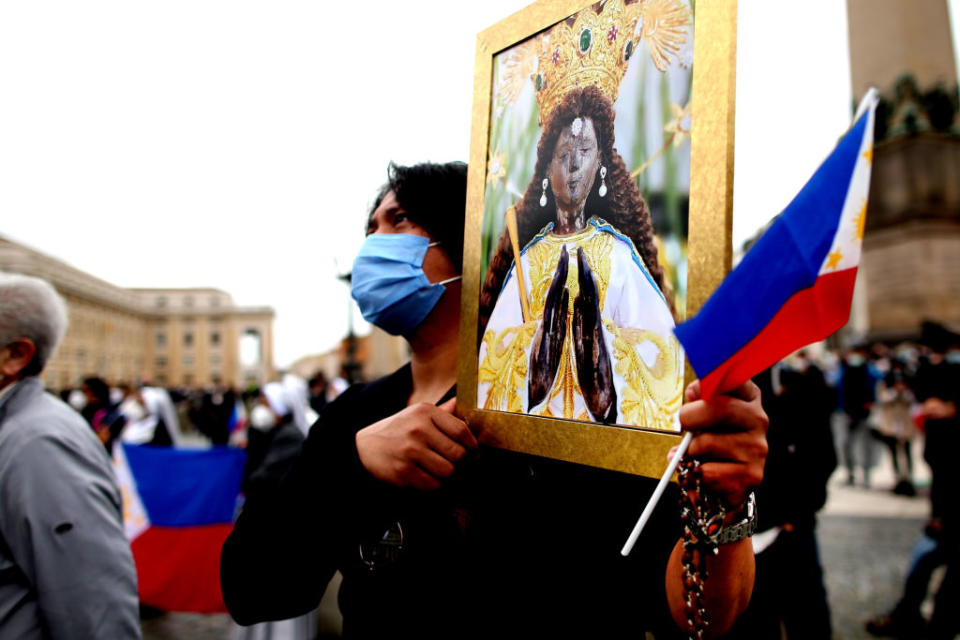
(632, 450)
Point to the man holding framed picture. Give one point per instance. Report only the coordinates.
(437, 536)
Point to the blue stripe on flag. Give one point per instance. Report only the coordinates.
(785, 260)
(187, 487)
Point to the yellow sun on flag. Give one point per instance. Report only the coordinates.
(868, 155)
(833, 259)
(861, 221)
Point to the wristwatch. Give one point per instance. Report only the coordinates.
(743, 529)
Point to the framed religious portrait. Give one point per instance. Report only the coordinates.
(598, 217)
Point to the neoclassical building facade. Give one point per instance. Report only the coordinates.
(170, 337)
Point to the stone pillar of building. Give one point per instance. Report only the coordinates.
(911, 248)
(889, 38)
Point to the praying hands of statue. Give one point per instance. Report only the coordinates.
(594, 372)
(551, 334)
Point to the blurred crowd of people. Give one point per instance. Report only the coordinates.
(889, 394)
(844, 407)
(850, 407)
(894, 394)
(214, 415)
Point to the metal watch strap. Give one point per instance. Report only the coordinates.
(743, 529)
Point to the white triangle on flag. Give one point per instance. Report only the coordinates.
(135, 520)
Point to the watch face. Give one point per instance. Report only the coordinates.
(385, 550)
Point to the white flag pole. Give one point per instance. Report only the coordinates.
(658, 492)
(871, 96)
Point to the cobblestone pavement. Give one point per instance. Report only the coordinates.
(186, 626)
(865, 561)
(192, 626)
(865, 537)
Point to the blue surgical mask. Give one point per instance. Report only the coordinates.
(388, 282)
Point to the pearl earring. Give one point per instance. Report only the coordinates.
(543, 196)
(603, 185)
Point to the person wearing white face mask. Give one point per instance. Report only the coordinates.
(77, 399)
(151, 418)
(262, 418)
(66, 570)
(273, 441)
(436, 537)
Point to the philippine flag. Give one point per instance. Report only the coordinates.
(238, 418)
(795, 285)
(178, 509)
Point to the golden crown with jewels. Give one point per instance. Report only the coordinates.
(594, 47)
(592, 50)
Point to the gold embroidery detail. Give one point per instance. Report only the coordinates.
(566, 384)
(544, 256)
(505, 366)
(651, 396)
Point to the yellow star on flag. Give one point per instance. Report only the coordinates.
(833, 259)
(860, 220)
(868, 154)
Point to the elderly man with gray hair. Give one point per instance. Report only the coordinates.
(66, 570)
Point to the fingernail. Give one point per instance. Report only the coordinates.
(671, 453)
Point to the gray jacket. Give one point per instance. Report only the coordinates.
(66, 570)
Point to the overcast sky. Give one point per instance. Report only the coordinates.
(237, 144)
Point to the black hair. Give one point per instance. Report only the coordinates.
(435, 197)
(99, 389)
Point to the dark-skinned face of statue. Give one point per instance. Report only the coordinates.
(573, 169)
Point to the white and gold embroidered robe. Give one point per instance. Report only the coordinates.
(637, 329)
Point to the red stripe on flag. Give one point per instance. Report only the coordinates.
(178, 568)
(809, 315)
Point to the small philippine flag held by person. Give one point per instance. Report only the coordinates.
(792, 288)
(178, 509)
(795, 285)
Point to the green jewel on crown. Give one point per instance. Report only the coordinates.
(585, 40)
